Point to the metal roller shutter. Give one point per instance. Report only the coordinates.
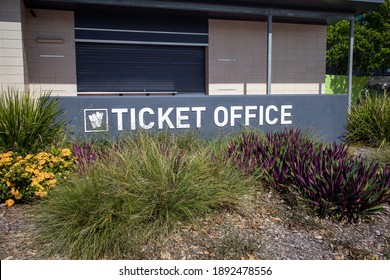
(129, 52)
(140, 68)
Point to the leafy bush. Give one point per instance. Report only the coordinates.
(268, 156)
(143, 190)
(28, 123)
(324, 175)
(338, 185)
(23, 178)
(369, 121)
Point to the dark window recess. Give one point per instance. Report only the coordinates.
(142, 37)
(140, 68)
(141, 21)
(133, 27)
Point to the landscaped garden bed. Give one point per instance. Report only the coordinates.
(279, 195)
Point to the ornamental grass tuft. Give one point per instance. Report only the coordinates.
(369, 121)
(29, 123)
(147, 187)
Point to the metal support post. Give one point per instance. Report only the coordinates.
(269, 54)
(350, 62)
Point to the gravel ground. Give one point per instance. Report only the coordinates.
(266, 228)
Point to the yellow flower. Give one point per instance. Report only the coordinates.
(7, 154)
(47, 175)
(29, 169)
(42, 155)
(35, 182)
(66, 152)
(9, 202)
(16, 193)
(51, 182)
(29, 156)
(6, 161)
(41, 193)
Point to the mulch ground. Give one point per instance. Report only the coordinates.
(265, 228)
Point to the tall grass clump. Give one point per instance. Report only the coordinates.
(369, 121)
(322, 175)
(382, 154)
(143, 190)
(28, 123)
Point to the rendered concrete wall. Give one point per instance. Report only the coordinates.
(237, 62)
(323, 116)
(51, 55)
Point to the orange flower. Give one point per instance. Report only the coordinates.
(9, 202)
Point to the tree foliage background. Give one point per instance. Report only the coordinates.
(372, 43)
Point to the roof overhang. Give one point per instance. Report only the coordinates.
(316, 11)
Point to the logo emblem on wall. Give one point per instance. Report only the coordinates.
(95, 120)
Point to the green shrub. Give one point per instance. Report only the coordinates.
(28, 123)
(369, 121)
(144, 189)
(25, 177)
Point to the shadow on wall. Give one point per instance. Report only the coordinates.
(336, 84)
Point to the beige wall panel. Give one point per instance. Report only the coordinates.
(237, 55)
(302, 68)
(51, 65)
(237, 61)
(12, 70)
(299, 58)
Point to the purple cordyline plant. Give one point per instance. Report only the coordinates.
(270, 155)
(325, 175)
(86, 156)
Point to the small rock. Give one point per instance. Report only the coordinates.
(377, 232)
(319, 237)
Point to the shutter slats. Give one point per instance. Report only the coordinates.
(138, 68)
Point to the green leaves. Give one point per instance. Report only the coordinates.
(29, 122)
(369, 122)
(149, 185)
(372, 44)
